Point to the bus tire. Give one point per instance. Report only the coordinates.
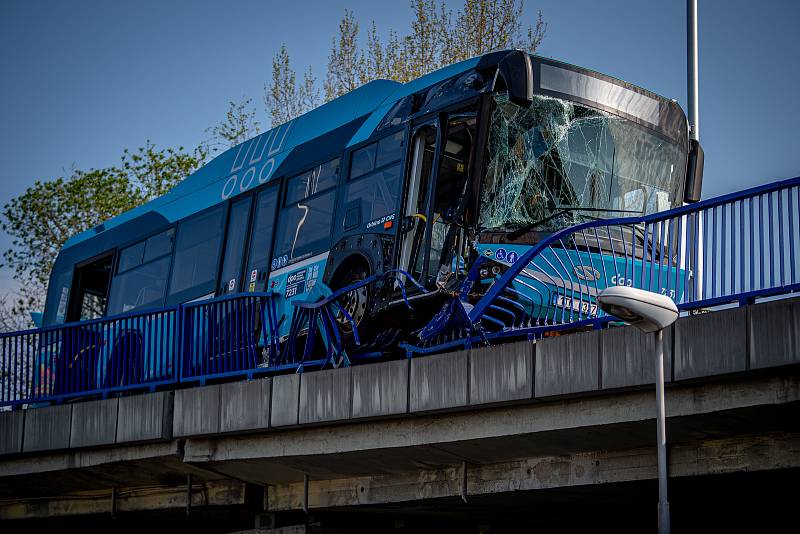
(356, 303)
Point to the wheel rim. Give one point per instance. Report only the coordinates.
(355, 304)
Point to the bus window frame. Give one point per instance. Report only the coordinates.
(251, 196)
(279, 185)
(413, 125)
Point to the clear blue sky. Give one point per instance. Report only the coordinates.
(82, 80)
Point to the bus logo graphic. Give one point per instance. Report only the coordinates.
(295, 283)
(269, 143)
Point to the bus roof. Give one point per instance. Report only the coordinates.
(255, 161)
(349, 119)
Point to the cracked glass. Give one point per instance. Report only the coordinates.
(559, 163)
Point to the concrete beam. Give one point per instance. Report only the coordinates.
(86, 458)
(285, 400)
(627, 357)
(245, 405)
(145, 417)
(196, 411)
(128, 499)
(94, 423)
(703, 458)
(621, 420)
(325, 396)
(439, 382)
(501, 374)
(774, 333)
(711, 344)
(47, 428)
(380, 389)
(11, 429)
(567, 364)
(62, 472)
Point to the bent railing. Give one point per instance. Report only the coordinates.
(211, 339)
(728, 249)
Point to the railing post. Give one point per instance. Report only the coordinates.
(182, 327)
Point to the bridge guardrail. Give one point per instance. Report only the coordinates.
(98, 356)
(727, 249)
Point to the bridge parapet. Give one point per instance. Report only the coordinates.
(698, 347)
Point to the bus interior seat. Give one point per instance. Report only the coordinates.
(76, 364)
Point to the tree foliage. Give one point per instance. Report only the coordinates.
(284, 97)
(240, 124)
(49, 212)
(346, 68)
(437, 37)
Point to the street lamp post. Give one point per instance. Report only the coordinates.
(649, 312)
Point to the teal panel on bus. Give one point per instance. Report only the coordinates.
(301, 281)
(562, 284)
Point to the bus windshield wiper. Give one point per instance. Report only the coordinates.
(561, 211)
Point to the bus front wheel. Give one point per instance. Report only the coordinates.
(355, 303)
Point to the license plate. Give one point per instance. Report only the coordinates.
(585, 307)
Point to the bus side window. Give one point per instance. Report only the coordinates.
(373, 188)
(89, 297)
(142, 271)
(197, 251)
(305, 224)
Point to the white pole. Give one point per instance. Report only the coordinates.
(663, 503)
(691, 65)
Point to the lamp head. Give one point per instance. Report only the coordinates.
(645, 310)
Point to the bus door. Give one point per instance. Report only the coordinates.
(258, 264)
(230, 279)
(248, 247)
(90, 287)
(432, 241)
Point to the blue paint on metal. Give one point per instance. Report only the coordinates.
(546, 275)
(550, 286)
(401, 91)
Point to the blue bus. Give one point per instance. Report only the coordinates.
(483, 158)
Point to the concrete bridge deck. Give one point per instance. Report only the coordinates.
(485, 435)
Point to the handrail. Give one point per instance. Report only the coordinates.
(523, 260)
(88, 322)
(731, 248)
(131, 350)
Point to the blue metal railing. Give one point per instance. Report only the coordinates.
(227, 336)
(727, 249)
(94, 357)
(216, 338)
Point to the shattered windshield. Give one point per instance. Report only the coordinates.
(559, 163)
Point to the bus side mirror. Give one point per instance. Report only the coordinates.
(515, 74)
(694, 173)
